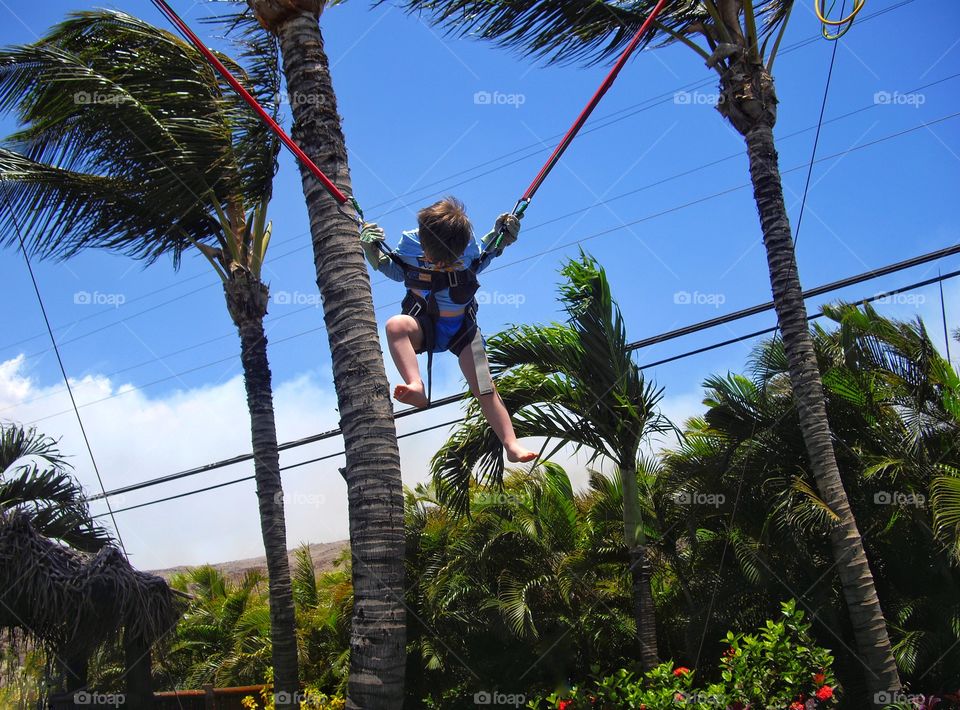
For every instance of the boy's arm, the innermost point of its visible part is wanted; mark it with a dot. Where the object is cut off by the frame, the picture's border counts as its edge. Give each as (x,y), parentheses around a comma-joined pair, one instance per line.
(509,224)
(370,237)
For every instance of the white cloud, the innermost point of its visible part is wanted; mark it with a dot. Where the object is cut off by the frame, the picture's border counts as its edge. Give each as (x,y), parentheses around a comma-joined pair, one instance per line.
(138,436)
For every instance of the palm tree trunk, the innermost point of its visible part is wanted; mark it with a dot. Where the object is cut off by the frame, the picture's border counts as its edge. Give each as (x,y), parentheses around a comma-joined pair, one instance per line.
(247,302)
(139,684)
(856,579)
(641,569)
(372,473)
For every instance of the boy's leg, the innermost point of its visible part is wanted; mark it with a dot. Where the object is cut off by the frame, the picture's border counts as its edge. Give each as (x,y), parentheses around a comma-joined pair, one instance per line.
(404,339)
(495,412)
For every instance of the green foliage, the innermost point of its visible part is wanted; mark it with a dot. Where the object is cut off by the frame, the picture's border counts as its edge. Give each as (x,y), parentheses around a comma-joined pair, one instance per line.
(130,141)
(778,667)
(224,637)
(37,480)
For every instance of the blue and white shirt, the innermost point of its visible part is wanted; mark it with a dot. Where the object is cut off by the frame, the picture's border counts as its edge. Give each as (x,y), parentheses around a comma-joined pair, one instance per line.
(410,252)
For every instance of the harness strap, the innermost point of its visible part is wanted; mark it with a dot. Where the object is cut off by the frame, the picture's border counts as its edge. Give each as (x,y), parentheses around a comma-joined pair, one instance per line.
(481,365)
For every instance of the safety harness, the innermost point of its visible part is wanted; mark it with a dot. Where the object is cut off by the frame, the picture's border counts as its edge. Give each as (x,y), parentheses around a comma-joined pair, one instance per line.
(462,284)
(420,303)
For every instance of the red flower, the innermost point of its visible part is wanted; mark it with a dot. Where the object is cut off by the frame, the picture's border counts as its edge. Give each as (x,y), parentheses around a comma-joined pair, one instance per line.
(796,705)
(818,678)
(564,704)
(680,670)
(825,693)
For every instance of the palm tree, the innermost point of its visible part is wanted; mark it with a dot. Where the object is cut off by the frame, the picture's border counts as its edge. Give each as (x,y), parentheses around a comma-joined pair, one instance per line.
(515,595)
(737,45)
(576,383)
(36,480)
(890,396)
(129,142)
(372,472)
(224,636)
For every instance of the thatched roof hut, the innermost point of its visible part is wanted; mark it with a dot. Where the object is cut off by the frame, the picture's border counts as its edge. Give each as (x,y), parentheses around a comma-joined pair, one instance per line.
(73,603)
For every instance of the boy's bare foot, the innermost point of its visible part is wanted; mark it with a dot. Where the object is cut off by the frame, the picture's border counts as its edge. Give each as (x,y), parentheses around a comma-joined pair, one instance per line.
(518,454)
(411,394)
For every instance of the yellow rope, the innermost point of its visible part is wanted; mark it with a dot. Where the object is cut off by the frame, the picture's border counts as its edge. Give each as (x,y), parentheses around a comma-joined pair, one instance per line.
(848,20)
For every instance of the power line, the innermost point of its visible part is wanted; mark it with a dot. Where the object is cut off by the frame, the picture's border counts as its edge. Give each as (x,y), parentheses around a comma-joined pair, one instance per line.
(63,371)
(512,263)
(628,112)
(654,340)
(816,137)
(714,346)
(282,468)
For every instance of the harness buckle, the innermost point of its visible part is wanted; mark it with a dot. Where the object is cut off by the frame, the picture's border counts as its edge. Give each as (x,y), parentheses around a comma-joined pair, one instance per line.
(453,278)
(415,311)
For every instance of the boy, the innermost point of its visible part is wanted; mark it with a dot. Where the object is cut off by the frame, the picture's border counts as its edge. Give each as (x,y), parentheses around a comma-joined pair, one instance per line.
(438,263)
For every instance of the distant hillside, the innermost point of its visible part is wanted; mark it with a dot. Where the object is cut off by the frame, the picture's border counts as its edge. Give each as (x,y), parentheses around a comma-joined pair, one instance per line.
(323,554)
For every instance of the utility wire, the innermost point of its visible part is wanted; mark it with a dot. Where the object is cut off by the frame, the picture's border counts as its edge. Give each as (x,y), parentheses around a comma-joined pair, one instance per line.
(670,335)
(63,371)
(559,247)
(748,336)
(630,112)
(816,137)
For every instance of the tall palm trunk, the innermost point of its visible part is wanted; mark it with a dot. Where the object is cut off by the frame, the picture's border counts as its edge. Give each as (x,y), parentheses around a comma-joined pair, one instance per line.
(749,101)
(641,569)
(372,473)
(247,301)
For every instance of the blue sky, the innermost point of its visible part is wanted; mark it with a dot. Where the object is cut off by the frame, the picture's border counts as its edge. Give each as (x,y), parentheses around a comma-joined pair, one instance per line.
(632,190)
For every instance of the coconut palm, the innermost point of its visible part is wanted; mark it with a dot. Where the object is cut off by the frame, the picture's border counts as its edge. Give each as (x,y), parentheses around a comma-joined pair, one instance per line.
(372,472)
(36,480)
(513,596)
(739,40)
(577,383)
(130,142)
(889,394)
(224,636)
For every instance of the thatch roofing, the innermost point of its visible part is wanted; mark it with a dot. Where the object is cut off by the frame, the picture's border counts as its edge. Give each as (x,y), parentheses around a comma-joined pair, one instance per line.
(58,596)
